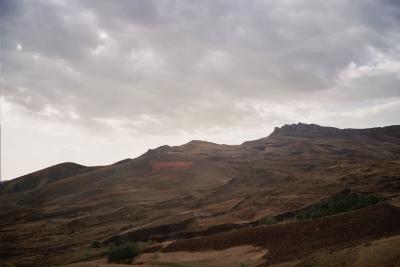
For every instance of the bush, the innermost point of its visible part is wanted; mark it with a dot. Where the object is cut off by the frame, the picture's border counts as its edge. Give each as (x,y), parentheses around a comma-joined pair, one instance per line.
(96,244)
(338,204)
(123,253)
(270,220)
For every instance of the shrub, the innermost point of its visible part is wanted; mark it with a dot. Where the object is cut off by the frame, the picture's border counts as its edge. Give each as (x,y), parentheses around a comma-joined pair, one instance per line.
(270,220)
(96,244)
(123,253)
(338,204)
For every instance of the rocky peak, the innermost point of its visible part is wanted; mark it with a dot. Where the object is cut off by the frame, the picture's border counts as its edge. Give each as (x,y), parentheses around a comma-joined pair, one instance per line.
(302,129)
(314,130)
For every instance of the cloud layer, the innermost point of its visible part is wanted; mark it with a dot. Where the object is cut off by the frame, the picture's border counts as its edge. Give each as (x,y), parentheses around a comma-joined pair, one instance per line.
(224,70)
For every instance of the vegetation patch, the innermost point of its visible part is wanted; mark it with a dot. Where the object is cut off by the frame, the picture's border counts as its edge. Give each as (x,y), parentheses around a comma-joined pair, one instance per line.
(338,204)
(125,253)
(96,244)
(270,220)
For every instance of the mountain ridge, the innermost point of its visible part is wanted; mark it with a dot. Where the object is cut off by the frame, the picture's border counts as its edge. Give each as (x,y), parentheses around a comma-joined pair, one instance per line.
(313,130)
(295,130)
(194,189)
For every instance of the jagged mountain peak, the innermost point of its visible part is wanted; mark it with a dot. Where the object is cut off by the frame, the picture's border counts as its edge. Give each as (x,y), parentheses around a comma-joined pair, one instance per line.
(315,130)
(304,129)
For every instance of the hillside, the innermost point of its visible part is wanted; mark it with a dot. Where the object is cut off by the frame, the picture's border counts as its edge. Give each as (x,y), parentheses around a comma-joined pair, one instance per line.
(204,191)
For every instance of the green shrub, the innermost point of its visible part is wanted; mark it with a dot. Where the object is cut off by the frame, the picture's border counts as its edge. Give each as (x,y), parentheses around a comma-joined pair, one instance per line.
(123,253)
(338,204)
(96,244)
(270,220)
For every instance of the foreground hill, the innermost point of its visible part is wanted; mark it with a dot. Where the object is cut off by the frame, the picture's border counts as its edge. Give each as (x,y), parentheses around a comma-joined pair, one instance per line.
(203,190)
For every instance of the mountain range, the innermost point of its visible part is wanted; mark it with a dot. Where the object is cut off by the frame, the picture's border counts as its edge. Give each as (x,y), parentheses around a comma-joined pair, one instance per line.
(203,201)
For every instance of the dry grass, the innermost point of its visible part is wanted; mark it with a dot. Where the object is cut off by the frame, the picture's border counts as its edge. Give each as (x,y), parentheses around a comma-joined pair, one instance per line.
(380,253)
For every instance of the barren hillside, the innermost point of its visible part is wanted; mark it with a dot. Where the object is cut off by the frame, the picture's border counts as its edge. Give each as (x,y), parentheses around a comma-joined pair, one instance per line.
(210,192)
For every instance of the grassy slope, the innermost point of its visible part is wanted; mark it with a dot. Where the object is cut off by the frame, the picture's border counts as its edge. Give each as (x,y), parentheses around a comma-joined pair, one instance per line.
(380,253)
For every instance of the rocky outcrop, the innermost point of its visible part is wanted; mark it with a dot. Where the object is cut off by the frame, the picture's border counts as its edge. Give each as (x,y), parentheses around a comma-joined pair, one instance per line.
(314,130)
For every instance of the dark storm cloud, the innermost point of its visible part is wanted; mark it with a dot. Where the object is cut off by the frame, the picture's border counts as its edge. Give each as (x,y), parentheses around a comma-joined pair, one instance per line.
(8,8)
(164,66)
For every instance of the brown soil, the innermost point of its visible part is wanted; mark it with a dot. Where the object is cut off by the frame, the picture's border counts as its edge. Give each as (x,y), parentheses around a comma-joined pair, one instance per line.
(380,253)
(296,240)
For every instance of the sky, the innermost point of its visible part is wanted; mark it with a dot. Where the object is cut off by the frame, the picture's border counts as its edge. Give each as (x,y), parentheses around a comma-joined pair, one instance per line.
(97,81)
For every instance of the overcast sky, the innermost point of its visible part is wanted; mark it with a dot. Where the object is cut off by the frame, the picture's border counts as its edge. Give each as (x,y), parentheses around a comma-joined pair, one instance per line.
(98,81)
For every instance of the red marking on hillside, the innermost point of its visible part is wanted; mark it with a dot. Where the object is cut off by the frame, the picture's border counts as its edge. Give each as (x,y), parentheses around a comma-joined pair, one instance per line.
(177,165)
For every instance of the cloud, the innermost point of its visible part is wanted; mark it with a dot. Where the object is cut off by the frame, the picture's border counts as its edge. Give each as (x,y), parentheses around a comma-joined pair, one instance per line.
(200,68)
